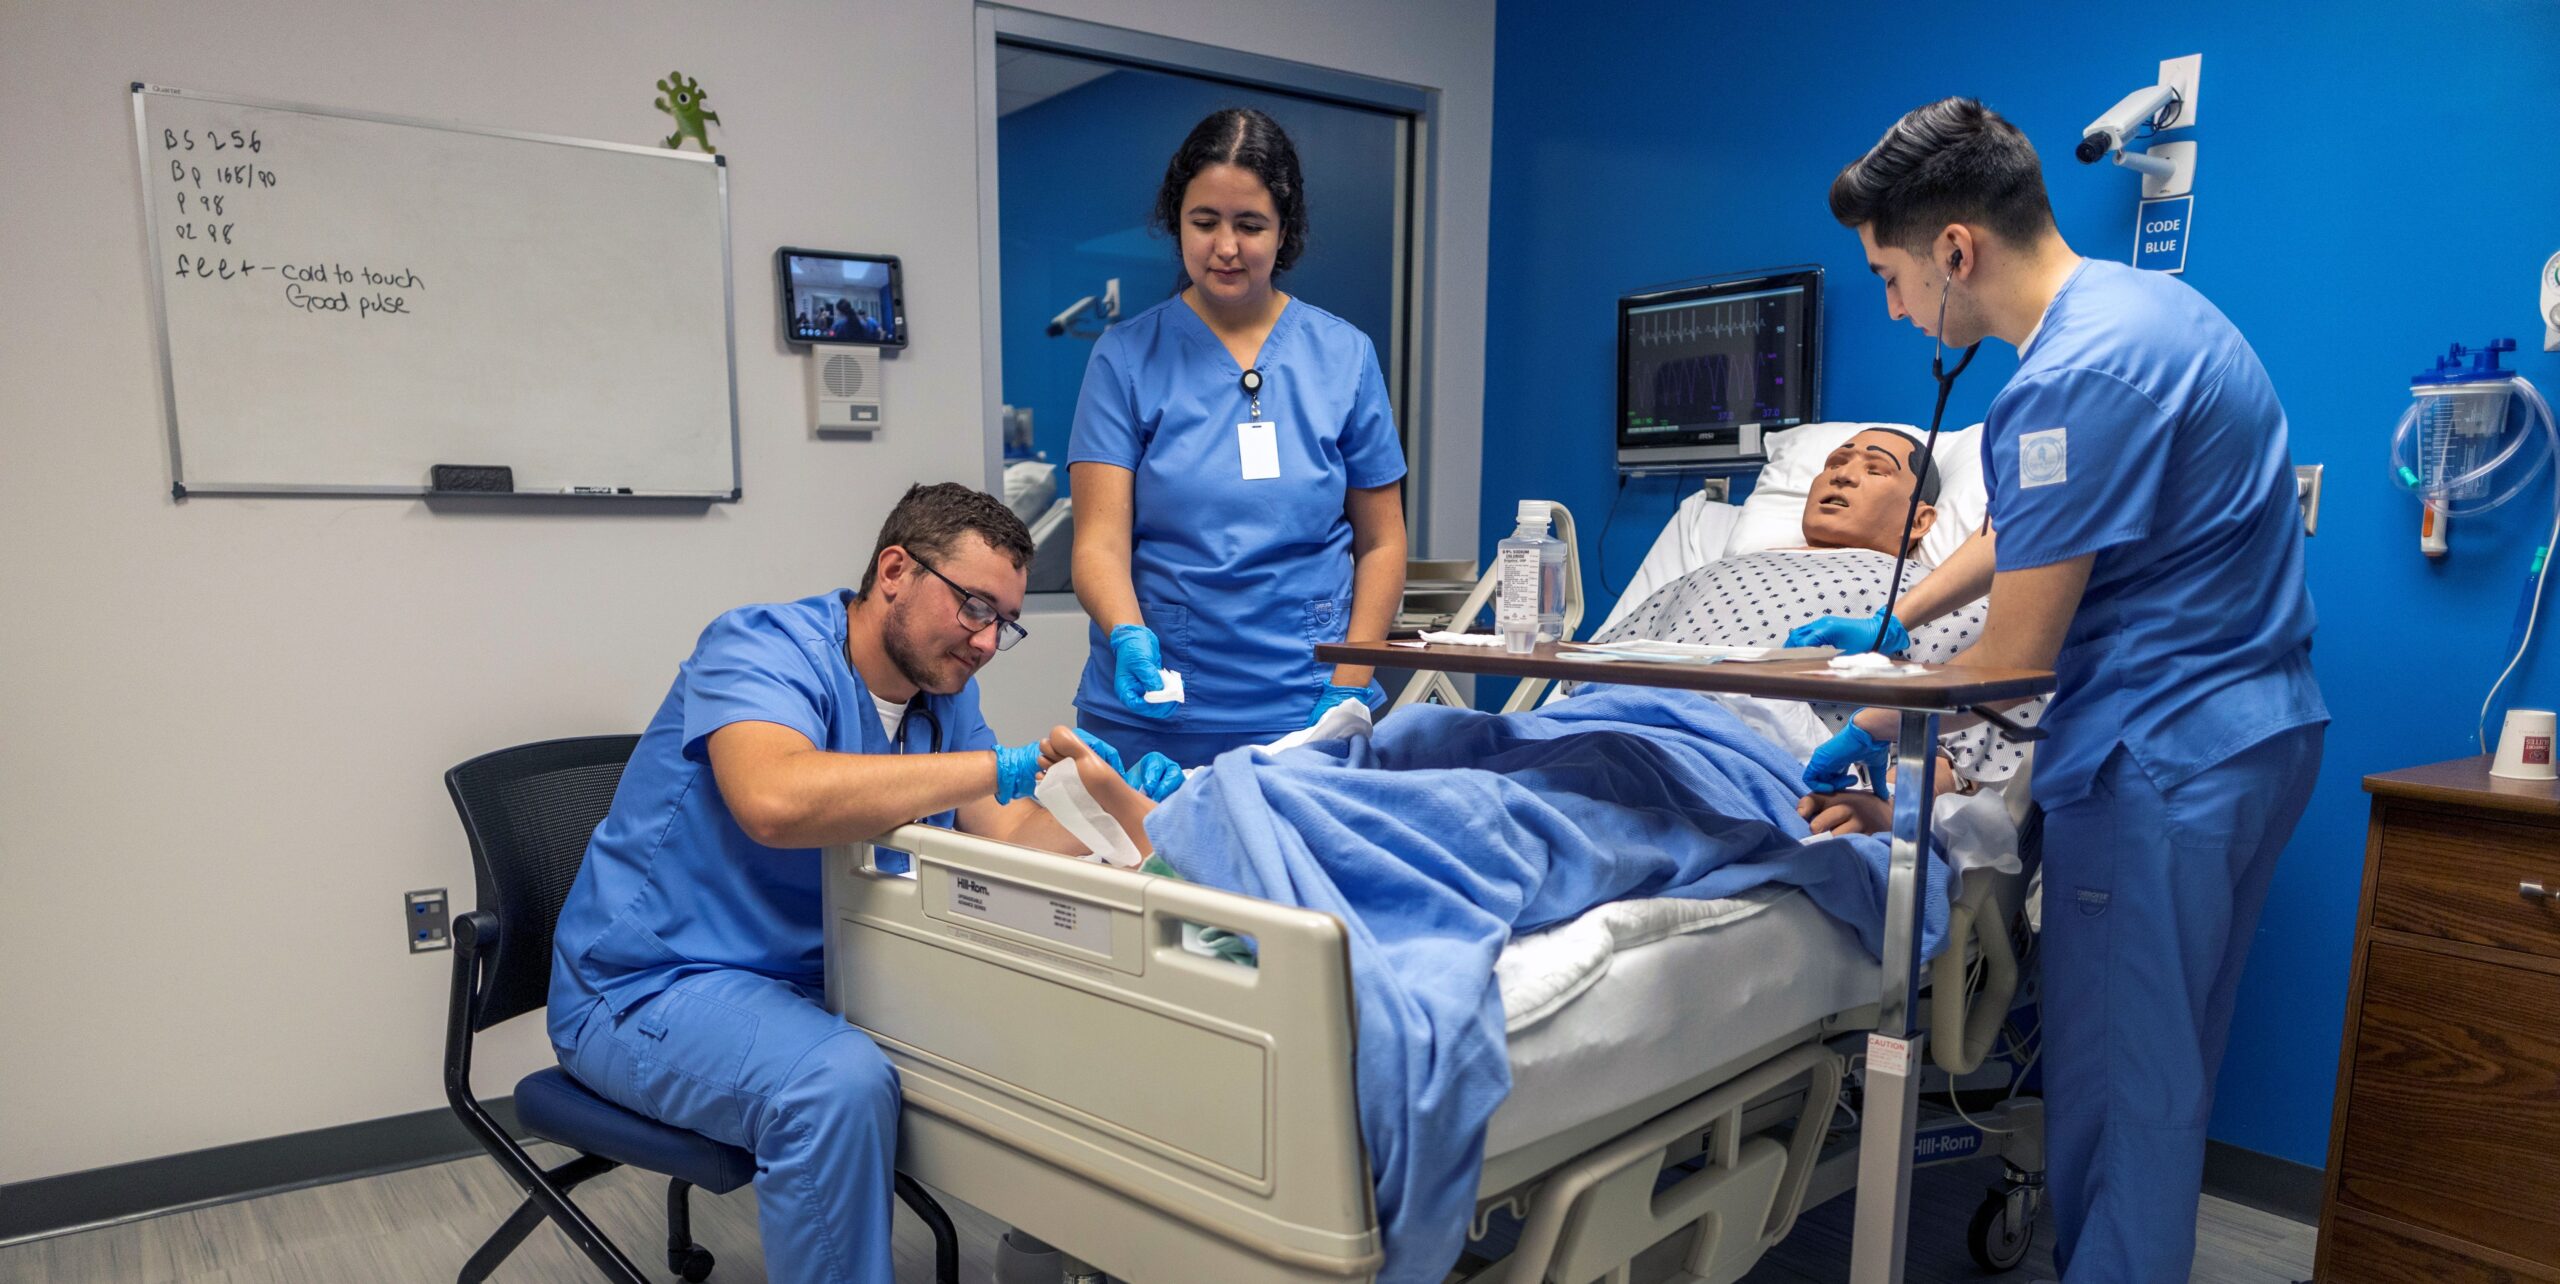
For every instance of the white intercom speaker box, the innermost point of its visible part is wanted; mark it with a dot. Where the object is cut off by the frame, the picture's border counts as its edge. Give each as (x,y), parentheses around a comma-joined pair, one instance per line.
(844,384)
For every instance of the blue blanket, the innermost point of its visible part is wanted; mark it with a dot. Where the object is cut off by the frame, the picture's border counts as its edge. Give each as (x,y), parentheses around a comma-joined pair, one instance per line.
(1449,831)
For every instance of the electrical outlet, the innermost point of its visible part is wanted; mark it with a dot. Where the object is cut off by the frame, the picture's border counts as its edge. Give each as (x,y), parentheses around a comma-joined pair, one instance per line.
(2183,75)
(2306,488)
(429,920)
(1717,489)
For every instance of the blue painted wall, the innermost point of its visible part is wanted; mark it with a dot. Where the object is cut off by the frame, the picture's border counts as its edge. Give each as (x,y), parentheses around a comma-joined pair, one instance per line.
(2375,181)
(1077,174)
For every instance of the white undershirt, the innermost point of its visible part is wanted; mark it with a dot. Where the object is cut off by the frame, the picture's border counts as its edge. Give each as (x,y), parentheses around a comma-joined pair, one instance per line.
(890,712)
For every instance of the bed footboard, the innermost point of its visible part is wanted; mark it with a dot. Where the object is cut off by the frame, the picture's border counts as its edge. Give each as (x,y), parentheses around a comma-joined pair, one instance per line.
(1071,1069)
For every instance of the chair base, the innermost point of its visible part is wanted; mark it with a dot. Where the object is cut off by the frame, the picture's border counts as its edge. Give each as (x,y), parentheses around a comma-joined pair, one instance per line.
(547,1196)
(554,1185)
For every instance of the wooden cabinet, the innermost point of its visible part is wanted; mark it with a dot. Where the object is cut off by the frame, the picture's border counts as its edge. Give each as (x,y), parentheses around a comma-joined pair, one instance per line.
(2444,1148)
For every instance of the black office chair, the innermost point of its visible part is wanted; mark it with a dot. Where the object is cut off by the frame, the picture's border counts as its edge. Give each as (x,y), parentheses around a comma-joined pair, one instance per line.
(529,812)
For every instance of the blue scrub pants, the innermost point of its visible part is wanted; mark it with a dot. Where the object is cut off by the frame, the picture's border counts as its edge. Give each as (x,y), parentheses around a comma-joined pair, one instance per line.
(1186,748)
(2150,899)
(762,1065)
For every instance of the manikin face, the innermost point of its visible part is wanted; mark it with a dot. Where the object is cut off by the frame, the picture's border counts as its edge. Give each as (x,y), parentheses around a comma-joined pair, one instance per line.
(1862,494)
(1230,236)
(1915,284)
(926,637)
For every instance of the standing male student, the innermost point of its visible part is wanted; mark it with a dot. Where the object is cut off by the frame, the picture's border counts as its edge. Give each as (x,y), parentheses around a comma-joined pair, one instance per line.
(2148,550)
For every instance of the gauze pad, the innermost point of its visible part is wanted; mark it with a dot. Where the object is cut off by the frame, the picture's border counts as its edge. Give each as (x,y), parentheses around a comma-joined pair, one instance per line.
(1062,792)
(1172,692)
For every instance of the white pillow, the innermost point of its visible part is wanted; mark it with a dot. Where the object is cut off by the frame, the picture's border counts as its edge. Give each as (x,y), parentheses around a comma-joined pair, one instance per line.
(1029,486)
(1773,516)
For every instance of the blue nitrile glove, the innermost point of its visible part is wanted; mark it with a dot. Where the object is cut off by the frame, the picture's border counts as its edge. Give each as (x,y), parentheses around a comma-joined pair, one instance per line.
(1101,747)
(1136,669)
(1853,636)
(1017,772)
(1827,771)
(1155,775)
(1333,695)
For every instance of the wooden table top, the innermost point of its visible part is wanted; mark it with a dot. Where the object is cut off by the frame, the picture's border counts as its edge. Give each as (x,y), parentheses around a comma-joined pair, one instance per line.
(2466,782)
(1945,688)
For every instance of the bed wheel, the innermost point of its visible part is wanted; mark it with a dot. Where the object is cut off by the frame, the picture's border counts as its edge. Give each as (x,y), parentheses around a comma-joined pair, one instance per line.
(2004,1227)
(693,1266)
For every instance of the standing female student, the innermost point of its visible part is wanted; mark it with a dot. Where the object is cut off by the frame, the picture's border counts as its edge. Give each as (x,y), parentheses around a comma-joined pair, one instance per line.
(1235,466)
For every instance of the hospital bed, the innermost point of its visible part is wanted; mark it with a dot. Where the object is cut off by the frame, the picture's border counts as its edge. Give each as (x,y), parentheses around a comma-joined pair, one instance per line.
(1072,1068)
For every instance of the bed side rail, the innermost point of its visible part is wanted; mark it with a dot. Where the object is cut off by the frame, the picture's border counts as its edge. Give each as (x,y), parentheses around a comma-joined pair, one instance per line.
(1047,1006)
(1964,1026)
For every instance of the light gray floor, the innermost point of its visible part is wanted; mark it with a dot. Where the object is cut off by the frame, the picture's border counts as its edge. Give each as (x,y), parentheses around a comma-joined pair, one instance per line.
(420,1225)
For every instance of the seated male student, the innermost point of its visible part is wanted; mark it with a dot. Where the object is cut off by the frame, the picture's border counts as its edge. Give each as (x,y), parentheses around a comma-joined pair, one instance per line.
(1853,518)
(686,976)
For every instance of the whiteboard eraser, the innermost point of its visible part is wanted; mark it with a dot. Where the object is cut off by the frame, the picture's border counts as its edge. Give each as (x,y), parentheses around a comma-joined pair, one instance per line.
(1172,692)
(474,478)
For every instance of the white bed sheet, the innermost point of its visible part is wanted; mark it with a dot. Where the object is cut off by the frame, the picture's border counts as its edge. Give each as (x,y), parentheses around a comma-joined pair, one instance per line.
(1664,1008)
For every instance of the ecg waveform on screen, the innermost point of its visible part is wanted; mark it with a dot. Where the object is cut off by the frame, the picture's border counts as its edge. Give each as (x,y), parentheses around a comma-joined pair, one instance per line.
(1712,364)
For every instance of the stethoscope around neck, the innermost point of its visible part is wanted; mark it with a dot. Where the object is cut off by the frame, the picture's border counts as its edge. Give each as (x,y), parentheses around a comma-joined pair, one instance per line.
(917,708)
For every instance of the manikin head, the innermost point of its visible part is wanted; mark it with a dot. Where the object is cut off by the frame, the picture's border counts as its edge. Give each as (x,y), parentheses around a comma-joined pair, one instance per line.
(1864,490)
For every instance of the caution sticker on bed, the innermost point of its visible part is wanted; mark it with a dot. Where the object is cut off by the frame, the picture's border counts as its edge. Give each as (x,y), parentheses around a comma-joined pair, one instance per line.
(1888,1055)
(1067,921)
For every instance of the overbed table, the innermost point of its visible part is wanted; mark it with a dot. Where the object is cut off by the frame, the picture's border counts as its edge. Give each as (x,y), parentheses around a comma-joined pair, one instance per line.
(1894,1050)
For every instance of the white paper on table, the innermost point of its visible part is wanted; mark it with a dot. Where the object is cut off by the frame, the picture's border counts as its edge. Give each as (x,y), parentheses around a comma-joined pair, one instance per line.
(1462,639)
(1695,652)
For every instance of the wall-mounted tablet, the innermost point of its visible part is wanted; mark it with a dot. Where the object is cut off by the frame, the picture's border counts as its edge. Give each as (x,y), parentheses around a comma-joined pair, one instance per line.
(833,297)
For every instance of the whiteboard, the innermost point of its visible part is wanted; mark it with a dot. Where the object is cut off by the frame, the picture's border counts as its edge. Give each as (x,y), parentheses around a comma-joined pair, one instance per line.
(347,300)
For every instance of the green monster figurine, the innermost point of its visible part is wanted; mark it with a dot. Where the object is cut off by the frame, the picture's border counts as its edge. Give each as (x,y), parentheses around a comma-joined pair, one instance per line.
(683,100)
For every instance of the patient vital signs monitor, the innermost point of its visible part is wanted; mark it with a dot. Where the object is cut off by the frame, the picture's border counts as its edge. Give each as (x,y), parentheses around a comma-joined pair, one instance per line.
(1703,370)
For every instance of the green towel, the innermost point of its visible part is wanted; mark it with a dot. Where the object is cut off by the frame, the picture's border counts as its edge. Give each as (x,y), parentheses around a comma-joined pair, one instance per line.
(1219,941)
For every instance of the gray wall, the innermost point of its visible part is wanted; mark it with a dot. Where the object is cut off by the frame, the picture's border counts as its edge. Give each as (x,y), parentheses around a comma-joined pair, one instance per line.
(226,719)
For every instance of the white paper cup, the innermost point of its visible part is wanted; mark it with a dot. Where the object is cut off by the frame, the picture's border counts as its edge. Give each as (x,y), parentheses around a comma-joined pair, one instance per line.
(2524,746)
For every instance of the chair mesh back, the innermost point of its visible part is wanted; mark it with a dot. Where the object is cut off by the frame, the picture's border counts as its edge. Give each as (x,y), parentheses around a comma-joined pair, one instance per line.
(529,812)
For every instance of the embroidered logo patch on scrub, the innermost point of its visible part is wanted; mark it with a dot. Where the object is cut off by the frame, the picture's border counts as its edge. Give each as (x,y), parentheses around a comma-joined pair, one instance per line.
(2044,458)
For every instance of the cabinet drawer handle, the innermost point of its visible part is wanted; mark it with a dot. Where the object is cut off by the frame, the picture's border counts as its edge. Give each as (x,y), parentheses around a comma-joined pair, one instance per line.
(2537,892)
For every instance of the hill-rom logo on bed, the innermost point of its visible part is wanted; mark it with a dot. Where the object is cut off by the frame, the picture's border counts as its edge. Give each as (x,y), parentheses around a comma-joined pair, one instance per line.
(1950,1141)
(1033,910)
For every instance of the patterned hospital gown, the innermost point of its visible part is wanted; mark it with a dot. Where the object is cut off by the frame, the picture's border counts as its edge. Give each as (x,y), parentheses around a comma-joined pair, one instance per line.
(1754,600)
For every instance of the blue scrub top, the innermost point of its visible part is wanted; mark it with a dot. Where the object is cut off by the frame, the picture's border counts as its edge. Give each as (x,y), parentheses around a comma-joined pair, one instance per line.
(1238,578)
(2141,427)
(671,886)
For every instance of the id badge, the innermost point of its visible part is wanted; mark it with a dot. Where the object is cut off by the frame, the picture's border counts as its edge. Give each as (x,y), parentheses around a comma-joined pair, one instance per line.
(1258,446)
